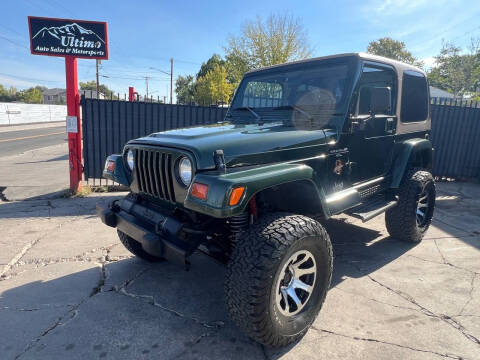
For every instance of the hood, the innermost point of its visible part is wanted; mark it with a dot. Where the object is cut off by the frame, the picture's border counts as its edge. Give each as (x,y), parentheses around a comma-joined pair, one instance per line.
(242,144)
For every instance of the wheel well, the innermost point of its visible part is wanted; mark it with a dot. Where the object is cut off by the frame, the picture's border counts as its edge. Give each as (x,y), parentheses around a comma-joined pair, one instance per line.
(422,159)
(299,197)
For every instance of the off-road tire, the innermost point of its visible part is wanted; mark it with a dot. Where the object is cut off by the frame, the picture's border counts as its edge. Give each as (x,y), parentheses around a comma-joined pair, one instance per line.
(401,220)
(135,247)
(253,272)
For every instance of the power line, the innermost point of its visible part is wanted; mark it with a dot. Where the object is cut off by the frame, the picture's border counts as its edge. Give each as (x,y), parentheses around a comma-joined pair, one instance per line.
(466,33)
(11,30)
(441,34)
(30,79)
(57,4)
(13,42)
(112,76)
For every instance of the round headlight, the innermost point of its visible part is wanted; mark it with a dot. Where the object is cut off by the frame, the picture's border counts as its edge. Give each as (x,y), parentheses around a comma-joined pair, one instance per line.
(185,171)
(130,159)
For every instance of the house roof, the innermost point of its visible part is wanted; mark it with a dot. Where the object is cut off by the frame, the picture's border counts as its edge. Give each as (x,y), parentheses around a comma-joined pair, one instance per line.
(54,91)
(436,92)
(365,56)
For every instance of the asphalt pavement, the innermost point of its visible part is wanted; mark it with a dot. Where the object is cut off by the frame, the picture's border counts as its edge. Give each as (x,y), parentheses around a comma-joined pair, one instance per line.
(33,161)
(70,290)
(17,142)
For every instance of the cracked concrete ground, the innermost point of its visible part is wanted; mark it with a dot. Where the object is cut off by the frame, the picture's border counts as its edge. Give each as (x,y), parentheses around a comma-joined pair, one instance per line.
(68,289)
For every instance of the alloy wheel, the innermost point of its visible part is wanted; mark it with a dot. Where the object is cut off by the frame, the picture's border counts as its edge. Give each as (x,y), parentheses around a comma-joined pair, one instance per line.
(295,283)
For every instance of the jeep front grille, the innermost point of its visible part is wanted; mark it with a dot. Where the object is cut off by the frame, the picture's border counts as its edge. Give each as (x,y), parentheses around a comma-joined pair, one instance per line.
(153,171)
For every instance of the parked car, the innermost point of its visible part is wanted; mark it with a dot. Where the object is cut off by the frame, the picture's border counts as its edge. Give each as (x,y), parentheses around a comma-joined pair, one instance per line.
(301,142)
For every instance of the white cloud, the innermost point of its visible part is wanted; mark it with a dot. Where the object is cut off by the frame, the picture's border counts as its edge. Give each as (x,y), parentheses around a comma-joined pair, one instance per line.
(428,62)
(417,23)
(399,7)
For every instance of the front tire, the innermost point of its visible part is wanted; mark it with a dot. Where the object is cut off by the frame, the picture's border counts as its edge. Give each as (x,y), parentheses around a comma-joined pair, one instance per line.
(411,218)
(277,278)
(135,248)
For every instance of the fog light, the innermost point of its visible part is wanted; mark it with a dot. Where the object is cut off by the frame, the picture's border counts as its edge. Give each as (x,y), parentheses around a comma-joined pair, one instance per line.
(200,191)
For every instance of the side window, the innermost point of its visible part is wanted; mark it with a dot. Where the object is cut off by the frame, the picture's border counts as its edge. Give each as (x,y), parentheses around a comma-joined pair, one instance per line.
(414,97)
(373,78)
(262,94)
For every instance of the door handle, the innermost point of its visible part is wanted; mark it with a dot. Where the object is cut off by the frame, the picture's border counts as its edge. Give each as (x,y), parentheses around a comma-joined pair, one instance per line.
(390,125)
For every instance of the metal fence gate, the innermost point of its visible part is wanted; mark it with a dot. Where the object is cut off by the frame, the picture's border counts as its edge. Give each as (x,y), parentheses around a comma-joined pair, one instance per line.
(108,124)
(455,137)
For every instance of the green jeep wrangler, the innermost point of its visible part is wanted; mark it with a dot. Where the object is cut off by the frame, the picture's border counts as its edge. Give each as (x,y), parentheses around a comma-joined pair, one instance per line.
(300,143)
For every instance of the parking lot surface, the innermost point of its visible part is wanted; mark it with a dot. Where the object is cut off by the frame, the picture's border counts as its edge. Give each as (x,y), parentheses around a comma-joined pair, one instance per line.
(68,289)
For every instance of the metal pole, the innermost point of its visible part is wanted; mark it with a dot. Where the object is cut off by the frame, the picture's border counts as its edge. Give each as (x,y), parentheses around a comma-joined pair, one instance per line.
(171,81)
(98,82)
(146,81)
(74,138)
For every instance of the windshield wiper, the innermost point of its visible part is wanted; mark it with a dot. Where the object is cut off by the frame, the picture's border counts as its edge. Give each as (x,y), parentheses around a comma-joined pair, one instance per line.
(296,108)
(258,117)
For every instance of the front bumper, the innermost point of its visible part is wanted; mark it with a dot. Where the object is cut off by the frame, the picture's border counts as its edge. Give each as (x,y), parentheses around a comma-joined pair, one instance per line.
(157,233)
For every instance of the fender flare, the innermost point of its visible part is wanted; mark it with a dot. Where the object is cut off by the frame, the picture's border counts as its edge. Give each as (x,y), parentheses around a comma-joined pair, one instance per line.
(119,174)
(254,180)
(408,154)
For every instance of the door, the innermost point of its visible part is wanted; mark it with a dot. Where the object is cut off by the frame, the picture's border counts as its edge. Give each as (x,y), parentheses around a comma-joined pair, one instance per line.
(372,138)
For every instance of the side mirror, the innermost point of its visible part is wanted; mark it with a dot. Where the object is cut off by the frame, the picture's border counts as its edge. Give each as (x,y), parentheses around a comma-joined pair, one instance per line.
(375,100)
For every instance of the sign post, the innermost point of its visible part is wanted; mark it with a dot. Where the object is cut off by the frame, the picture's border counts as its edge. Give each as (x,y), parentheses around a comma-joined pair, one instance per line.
(73,124)
(70,39)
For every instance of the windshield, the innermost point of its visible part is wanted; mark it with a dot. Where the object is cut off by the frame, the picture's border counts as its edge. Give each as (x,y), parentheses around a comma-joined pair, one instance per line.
(312,94)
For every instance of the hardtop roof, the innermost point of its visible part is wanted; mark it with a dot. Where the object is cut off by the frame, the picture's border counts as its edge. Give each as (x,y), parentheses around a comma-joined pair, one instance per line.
(396,64)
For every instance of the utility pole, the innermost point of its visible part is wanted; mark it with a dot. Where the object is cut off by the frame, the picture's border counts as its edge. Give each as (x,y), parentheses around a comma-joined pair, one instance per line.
(146,82)
(171,81)
(98,82)
(171,78)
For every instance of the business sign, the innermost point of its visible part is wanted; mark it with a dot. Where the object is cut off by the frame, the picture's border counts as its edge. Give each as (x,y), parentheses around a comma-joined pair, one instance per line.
(63,37)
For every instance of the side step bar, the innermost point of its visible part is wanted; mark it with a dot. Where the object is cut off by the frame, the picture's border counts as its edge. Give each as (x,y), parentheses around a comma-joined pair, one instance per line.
(371,208)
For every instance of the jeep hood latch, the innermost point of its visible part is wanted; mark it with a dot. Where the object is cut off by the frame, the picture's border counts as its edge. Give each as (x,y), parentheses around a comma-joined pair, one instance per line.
(219,160)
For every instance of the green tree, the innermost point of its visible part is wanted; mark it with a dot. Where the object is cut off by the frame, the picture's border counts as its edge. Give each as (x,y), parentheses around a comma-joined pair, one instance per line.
(202,94)
(457,72)
(213,87)
(275,40)
(13,93)
(236,67)
(92,85)
(392,49)
(41,88)
(185,89)
(4,95)
(214,60)
(30,96)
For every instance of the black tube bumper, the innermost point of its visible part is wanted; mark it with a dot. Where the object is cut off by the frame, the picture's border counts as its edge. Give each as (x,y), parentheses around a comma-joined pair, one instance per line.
(157,233)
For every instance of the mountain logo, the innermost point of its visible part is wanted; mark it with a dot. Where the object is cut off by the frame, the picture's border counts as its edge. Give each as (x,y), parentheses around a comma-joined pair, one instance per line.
(66,37)
(71,35)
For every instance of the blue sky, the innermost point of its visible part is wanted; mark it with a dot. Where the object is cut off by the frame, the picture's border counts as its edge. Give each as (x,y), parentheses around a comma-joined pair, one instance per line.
(145,34)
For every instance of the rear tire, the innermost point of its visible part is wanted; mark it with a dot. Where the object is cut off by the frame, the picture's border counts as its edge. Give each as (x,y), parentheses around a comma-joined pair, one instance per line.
(135,248)
(263,295)
(411,218)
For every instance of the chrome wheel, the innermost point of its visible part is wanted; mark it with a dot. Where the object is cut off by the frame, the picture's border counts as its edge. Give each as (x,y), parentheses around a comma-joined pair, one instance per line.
(422,207)
(295,283)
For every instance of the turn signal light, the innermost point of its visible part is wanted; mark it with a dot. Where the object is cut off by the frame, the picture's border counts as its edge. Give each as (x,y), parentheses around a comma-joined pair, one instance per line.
(236,195)
(200,191)
(110,166)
